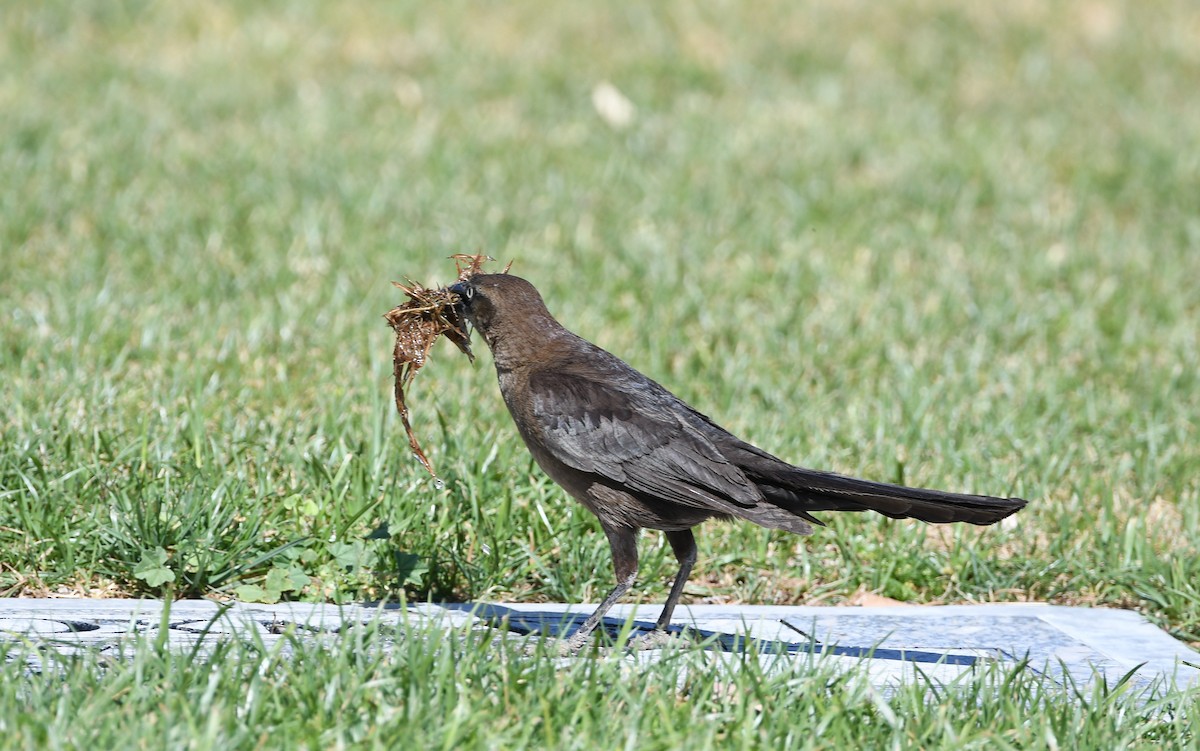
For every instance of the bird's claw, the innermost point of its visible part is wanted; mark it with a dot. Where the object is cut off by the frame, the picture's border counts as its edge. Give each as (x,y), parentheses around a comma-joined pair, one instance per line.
(656,639)
(572,646)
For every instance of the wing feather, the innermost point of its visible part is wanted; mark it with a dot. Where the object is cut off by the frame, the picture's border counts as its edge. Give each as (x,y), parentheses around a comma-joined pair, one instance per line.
(634,432)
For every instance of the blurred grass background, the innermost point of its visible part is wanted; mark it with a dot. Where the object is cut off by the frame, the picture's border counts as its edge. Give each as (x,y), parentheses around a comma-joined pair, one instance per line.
(944,244)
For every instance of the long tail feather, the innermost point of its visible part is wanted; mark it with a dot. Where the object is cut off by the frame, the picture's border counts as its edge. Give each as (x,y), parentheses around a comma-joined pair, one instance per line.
(800,491)
(805,490)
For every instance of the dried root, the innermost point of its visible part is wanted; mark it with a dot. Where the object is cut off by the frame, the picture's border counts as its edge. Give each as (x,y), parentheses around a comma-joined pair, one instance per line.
(428,314)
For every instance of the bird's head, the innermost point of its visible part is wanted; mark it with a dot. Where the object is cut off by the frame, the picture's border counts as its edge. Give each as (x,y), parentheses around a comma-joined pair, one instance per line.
(504,308)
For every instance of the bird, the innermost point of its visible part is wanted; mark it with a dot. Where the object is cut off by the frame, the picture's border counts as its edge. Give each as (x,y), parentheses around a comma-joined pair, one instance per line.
(638,457)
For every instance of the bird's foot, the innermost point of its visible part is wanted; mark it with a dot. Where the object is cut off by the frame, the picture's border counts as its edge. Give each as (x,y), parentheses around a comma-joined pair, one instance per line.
(577,643)
(573,645)
(656,639)
(569,647)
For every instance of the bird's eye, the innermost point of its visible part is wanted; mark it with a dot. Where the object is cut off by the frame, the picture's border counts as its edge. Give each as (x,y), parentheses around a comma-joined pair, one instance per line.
(470,291)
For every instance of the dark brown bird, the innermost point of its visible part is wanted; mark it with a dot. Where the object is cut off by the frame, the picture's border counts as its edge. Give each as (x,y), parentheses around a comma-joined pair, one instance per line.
(638,457)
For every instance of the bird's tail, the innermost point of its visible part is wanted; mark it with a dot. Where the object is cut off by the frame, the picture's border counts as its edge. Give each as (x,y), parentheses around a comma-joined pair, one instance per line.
(809,490)
(801,491)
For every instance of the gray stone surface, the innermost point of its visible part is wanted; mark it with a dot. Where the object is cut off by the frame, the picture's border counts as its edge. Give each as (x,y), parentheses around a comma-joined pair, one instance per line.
(940,642)
(889,644)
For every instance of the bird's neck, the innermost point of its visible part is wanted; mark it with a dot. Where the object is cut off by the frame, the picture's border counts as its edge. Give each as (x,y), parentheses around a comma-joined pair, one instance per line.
(530,341)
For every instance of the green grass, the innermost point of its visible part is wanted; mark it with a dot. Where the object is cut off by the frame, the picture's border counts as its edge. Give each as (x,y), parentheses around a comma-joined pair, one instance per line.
(950,245)
(431,689)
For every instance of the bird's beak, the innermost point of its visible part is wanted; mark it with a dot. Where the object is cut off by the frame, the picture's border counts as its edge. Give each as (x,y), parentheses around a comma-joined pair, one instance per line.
(461,304)
(461,336)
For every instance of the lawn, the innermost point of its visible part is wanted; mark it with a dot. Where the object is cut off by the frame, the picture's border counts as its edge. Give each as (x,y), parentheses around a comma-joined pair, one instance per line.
(952,245)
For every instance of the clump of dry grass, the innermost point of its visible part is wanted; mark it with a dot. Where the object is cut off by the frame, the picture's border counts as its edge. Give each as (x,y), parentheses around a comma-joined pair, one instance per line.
(428,314)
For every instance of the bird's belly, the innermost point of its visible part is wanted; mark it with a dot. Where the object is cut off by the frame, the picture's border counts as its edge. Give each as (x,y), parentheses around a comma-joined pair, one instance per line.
(618,508)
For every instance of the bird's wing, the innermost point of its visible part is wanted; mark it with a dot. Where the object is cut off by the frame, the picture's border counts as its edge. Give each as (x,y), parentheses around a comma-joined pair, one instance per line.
(634,432)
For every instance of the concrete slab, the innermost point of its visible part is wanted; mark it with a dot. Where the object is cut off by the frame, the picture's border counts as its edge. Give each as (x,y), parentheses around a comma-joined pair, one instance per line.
(1082,644)
(890,644)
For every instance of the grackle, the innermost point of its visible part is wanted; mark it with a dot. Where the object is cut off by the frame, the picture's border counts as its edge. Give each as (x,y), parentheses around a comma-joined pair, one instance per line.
(638,457)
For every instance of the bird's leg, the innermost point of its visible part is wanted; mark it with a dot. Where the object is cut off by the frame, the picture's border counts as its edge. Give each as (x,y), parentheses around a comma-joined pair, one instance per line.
(622,541)
(683,544)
